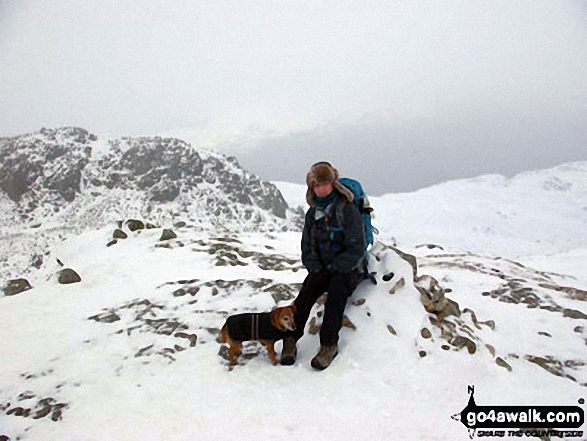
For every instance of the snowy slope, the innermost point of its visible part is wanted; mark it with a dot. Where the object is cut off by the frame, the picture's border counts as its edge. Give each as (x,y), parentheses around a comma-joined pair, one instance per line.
(130,352)
(57,183)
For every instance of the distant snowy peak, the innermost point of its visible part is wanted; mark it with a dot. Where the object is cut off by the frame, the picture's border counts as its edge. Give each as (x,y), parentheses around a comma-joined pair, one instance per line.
(46,171)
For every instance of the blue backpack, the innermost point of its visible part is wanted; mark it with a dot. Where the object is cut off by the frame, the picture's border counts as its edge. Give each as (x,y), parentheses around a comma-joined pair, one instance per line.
(362,203)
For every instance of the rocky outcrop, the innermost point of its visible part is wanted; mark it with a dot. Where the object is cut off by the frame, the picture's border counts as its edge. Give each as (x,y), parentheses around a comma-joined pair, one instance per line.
(55,166)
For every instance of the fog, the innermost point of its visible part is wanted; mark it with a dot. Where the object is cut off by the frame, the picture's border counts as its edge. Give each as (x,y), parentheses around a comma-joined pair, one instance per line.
(400,94)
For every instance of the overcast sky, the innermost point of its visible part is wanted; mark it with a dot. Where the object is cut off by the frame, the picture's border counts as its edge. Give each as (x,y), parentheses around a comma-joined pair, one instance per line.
(401,94)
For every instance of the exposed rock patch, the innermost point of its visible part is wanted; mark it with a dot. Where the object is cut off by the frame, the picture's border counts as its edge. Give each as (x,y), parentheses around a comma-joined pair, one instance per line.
(16,286)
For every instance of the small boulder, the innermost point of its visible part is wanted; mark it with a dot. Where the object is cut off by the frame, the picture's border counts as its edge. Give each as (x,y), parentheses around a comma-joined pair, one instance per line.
(119,234)
(16,286)
(112,242)
(501,362)
(68,276)
(134,225)
(167,235)
(425,332)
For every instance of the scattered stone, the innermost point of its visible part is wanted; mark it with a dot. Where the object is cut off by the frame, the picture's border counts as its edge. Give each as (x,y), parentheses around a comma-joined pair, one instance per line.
(546,334)
(193,338)
(578,329)
(346,322)
(59,262)
(119,234)
(491,349)
(398,285)
(359,302)
(390,329)
(574,314)
(180,224)
(106,317)
(112,242)
(144,350)
(68,276)
(460,342)
(168,235)
(425,332)
(489,323)
(501,362)
(445,347)
(16,286)
(134,225)
(387,277)
(408,258)
(422,354)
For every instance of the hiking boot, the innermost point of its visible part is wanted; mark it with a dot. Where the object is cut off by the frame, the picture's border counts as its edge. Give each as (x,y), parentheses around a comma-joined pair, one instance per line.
(324,357)
(289,351)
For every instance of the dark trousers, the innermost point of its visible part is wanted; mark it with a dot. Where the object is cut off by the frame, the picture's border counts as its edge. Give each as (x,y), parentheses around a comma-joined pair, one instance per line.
(340,287)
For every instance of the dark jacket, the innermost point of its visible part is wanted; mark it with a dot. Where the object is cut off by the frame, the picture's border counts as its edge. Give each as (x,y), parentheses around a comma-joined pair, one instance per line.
(335,243)
(252,326)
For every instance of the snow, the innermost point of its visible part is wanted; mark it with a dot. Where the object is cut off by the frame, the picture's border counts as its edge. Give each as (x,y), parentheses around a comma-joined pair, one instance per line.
(126,381)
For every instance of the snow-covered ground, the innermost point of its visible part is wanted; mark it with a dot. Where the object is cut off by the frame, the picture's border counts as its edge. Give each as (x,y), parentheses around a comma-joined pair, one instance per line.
(130,352)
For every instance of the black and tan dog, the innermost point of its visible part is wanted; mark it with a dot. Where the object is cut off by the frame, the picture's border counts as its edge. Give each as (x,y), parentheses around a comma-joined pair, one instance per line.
(264,327)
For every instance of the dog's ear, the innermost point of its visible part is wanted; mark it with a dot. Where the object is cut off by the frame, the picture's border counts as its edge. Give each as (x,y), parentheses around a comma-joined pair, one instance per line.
(275,318)
(294,308)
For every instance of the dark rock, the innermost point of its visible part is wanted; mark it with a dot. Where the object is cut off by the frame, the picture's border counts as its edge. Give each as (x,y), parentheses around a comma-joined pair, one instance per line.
(574,314)
(134,225)
(119,234)
(391,329)
(179,224)
(193,338)
(425,332)
(501,362)
(168,235)
(387,277)
(143,351)
(112,242)
(107,317)
(460,342)
(16,286)
(67,276)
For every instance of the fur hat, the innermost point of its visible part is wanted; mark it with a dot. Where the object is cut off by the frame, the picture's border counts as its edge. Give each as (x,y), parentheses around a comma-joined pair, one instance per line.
(322,172)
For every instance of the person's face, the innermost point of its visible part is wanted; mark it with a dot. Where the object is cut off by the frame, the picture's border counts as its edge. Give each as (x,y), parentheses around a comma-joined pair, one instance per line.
(323,189)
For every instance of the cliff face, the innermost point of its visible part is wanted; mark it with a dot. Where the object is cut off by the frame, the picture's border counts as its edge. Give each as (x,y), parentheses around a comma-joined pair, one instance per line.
(54,167)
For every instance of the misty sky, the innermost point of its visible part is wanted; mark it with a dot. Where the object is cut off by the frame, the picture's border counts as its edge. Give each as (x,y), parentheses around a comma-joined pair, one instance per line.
(401,94)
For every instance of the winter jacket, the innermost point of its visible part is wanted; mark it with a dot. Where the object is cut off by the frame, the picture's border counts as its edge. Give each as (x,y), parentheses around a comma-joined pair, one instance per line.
(252,326)
(334,242)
